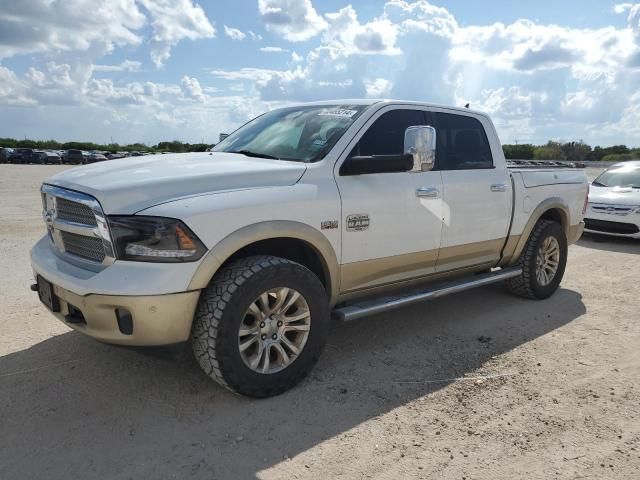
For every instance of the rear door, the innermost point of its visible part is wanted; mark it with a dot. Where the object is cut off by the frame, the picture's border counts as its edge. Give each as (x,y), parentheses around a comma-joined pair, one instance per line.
(477,193)
(389,234)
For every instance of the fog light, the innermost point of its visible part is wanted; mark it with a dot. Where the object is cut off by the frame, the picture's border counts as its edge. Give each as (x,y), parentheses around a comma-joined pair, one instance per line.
(125,321)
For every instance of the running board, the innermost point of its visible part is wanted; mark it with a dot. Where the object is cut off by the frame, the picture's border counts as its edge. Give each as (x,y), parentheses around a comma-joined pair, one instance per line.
(379,305)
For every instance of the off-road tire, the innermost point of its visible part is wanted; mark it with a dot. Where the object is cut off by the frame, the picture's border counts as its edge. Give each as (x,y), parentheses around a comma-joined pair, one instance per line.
(220,311)
(526,284)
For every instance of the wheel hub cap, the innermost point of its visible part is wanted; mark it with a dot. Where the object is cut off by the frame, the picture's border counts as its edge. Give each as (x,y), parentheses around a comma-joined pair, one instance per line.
(274,330)
(547,261)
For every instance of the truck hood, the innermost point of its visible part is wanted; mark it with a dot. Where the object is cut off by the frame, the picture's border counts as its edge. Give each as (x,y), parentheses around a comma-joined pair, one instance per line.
(128,185)
(614,195)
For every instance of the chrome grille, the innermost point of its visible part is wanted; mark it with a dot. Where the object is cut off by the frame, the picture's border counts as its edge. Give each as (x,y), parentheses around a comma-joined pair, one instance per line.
(90,248)
(74,212)
(77,226)
(612,209)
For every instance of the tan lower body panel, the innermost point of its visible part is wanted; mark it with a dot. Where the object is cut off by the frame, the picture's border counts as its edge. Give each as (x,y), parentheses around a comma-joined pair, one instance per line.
(369,273)
(157,320)
(379,272)
(461,256)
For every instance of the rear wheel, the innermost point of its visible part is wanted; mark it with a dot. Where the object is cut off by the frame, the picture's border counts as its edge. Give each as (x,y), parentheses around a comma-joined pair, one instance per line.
(543,262)
(260,325)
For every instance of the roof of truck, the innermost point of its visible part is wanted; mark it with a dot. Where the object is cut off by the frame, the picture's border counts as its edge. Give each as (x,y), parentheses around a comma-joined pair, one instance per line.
(373,101)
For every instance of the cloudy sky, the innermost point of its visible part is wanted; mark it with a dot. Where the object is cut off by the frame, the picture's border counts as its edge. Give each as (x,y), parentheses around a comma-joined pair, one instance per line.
(151,70)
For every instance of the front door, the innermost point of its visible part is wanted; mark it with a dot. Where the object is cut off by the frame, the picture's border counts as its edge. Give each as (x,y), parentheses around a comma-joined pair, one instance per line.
(389,233)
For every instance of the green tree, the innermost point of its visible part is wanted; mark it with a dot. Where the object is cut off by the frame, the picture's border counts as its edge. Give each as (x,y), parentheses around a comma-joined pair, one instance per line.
(522,151)
(550,151)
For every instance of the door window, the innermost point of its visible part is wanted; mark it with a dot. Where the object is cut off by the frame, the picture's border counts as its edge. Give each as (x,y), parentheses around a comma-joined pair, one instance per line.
(461,143)
(386,135)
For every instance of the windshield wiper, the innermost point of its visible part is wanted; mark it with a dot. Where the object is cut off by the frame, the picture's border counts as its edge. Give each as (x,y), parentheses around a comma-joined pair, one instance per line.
(249,153)
(598,184)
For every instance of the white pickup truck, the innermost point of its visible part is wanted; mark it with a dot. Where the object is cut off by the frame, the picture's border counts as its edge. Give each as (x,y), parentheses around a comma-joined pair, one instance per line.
(348,208)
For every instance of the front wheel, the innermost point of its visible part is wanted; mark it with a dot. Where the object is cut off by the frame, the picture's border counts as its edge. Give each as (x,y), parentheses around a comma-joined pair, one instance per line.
(260,325)
(543,262)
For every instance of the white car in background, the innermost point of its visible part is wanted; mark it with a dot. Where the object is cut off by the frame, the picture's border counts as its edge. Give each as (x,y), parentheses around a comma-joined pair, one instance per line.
(614,201)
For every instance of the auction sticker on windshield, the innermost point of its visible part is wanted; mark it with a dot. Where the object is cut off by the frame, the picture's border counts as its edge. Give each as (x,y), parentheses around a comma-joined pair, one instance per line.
(339,113)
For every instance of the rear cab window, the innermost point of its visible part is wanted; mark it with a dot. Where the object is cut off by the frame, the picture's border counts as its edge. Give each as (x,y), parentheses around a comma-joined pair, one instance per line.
(461,143)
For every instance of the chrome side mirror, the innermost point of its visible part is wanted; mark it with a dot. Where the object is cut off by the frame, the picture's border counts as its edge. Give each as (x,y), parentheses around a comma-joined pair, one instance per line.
(420,143)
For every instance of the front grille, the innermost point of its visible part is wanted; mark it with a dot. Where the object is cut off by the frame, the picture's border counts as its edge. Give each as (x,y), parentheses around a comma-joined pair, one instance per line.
(612,209)
(74,212)
(610,227)
(90,248)
(72,220)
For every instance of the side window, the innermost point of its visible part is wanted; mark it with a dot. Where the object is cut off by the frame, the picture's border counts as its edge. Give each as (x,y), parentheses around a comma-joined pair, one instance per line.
(386,135)
(461,143)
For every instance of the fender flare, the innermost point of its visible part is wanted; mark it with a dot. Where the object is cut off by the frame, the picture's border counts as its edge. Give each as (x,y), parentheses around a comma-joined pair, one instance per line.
(553,203)
(249,234)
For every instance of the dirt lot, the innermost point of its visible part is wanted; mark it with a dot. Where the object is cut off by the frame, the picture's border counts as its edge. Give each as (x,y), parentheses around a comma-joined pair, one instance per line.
(483,385)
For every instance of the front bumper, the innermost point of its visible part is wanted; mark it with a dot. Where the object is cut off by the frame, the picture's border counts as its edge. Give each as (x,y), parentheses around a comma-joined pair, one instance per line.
(159,316)
(156,320)
(574,233)
(614,225)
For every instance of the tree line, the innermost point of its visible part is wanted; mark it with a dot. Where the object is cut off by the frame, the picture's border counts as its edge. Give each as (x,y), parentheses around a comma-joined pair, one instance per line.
(174,146)
(571,151)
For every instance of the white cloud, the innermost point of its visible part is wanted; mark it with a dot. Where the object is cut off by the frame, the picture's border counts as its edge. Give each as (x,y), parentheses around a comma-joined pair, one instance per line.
(378,87)
(346,33)
(634,18)
(294,20)
(274,50)
(173,21)
(125,66)
(58,26)
(192,89)
(622,7)
(252,74)
(234,33)
(98,26)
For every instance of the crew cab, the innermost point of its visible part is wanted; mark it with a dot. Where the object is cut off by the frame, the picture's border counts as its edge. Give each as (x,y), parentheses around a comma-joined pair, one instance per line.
(345,209)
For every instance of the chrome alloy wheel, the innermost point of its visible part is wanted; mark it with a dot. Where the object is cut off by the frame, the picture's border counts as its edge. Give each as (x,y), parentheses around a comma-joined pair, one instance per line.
(547,261)
(274,330)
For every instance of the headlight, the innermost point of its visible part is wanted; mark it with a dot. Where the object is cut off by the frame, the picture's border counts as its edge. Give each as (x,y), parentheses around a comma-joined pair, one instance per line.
(154,239)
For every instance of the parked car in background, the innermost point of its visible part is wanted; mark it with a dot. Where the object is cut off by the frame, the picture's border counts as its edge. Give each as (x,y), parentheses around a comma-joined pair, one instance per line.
(96,157)
(5,153)
(49,158)
(21,155)
(75,156)
(614,201)
(38,157)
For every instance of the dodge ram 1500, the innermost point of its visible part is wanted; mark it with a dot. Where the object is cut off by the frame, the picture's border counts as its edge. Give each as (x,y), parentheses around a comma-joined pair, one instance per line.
(332,209)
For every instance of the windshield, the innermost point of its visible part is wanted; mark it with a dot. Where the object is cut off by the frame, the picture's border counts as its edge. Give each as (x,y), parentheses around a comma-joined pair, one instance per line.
(623,176)
(304,134)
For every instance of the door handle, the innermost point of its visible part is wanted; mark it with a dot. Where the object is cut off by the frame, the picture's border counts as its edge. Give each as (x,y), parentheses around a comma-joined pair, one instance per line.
(499,187)
(427,192)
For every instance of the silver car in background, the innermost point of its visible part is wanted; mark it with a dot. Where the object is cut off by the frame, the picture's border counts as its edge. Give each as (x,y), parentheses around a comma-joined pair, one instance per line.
(614,201)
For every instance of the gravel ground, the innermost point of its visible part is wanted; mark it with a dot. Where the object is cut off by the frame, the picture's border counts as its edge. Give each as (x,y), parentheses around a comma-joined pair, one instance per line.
(482,385)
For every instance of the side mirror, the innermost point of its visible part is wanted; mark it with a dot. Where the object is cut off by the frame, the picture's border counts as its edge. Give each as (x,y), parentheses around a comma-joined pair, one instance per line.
(420,144)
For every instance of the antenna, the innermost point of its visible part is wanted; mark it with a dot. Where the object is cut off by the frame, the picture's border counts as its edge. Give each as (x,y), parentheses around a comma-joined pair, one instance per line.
(466,106)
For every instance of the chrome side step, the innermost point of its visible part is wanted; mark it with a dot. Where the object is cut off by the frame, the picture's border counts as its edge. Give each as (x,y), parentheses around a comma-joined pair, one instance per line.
(379,305)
